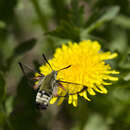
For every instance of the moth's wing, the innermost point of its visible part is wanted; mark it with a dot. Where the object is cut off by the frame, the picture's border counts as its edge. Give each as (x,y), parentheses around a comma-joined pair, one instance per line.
(60,81)
(57,89)
(29,74)
(67,94)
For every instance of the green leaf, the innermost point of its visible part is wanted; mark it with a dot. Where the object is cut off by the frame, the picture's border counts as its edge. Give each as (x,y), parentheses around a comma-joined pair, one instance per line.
(24,47)
(2,25)
(77,13)
(123,21)
(59,9)
(125,61)
(96,122)
(66,31)
(109,14)
(9,105)
(2,88)
(118,40)
(2,116)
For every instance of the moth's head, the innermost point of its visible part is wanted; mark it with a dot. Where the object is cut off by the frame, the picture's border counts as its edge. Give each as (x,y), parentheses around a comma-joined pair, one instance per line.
(54,73)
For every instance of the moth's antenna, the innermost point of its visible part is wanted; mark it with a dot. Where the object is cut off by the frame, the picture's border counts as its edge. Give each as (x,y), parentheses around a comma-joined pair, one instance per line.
(65,67)
(46,60)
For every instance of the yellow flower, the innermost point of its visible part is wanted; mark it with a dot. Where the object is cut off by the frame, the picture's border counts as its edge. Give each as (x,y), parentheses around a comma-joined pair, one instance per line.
(88,68)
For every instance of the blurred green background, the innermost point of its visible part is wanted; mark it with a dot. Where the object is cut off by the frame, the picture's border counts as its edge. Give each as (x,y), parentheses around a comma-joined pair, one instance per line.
(30,27)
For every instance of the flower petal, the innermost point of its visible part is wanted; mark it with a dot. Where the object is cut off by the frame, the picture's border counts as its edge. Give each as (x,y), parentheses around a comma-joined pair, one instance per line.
(53,100)
(75,97)
(85,96)
(104,90)
(70,99)
(91,92)
(60,101)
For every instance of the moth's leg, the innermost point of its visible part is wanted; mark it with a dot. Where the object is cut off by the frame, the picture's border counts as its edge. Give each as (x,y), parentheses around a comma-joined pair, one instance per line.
(39,77)
(55,89)
(61,86)
(36,86)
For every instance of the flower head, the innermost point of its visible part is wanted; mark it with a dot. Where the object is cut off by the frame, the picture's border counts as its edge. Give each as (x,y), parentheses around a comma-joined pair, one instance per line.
(88,68)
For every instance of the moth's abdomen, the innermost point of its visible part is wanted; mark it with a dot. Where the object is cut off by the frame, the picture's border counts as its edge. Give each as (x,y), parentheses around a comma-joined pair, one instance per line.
(42,99)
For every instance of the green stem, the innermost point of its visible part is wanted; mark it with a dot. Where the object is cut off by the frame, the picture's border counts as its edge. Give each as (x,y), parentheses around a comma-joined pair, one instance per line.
(41,15)
(43,22)
(6,118)
(9,124)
